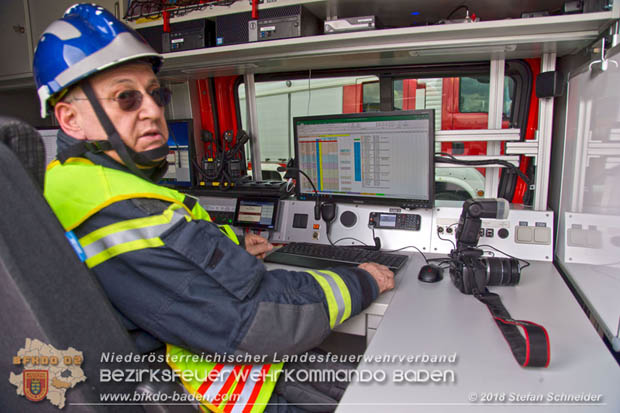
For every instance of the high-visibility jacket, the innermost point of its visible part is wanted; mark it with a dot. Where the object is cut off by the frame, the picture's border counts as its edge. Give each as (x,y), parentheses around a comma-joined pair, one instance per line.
(93,187)
(219,387)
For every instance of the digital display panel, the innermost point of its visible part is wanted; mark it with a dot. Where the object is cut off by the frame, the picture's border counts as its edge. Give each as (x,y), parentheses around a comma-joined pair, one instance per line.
(259,213)
(387,220)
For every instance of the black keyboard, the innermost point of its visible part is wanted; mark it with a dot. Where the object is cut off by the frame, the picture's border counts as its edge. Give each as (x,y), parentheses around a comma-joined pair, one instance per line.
(319,256)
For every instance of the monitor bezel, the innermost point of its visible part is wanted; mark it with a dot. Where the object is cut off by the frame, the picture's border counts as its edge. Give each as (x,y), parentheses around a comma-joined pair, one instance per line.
(398,202)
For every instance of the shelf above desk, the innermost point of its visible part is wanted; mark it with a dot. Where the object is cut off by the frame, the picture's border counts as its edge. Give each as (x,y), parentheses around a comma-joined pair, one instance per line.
(462,42)
(511,38)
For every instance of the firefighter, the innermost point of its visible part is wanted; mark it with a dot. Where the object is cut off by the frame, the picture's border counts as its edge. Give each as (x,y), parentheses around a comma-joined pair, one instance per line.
(173,276)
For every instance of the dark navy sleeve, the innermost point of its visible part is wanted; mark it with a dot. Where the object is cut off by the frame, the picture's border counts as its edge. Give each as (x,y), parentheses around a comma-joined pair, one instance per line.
(202,292)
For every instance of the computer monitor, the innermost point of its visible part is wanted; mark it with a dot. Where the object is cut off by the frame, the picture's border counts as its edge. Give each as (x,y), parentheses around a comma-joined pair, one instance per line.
(181,143)
(376,158)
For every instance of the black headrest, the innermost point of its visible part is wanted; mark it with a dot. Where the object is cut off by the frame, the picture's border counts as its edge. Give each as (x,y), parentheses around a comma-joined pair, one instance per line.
(26,143)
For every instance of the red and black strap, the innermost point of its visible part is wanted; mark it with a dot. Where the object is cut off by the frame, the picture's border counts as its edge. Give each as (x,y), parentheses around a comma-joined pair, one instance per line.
(529,351)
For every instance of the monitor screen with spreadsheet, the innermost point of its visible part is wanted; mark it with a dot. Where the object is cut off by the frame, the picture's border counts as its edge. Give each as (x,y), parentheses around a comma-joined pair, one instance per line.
(374,157)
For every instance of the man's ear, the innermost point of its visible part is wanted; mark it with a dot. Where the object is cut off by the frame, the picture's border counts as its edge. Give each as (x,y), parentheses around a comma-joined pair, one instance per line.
(68,119)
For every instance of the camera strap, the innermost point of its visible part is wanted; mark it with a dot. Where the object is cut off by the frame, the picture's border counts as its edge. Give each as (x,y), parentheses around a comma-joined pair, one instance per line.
(529,351)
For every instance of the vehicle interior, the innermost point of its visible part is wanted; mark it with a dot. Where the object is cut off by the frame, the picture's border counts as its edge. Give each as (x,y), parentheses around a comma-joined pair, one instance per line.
(300,121)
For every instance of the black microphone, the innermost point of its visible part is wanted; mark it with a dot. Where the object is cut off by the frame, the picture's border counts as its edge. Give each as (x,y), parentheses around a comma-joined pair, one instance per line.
(377,240)
(288,175)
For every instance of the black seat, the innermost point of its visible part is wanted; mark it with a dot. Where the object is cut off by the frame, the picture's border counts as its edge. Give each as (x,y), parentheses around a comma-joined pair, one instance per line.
(25,142)
(46,293)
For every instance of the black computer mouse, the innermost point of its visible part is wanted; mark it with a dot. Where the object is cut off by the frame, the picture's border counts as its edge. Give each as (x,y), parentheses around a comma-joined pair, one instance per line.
(430,273)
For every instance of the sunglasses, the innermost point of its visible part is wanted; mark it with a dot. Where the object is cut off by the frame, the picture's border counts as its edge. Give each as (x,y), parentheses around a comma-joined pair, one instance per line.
(131,100)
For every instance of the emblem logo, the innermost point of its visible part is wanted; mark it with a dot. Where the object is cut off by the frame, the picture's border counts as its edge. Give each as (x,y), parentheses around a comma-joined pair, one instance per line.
(35,384)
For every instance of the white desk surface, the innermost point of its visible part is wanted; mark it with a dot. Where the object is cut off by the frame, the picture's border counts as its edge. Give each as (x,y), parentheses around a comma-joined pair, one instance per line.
(436,319)
(599,286)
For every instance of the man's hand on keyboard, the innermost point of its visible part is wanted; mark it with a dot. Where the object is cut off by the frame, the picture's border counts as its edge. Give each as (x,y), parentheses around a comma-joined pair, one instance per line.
(382,275)
(257,245)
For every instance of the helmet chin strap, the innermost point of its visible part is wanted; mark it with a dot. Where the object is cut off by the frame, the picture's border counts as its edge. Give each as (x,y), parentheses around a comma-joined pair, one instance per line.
(150,158)
(131,158)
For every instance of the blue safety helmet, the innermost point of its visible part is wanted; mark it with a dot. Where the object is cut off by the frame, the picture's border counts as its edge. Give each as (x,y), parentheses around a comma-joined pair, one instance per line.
(85,41)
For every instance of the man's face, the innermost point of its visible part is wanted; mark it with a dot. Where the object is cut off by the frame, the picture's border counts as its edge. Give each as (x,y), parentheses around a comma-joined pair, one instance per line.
(142,129)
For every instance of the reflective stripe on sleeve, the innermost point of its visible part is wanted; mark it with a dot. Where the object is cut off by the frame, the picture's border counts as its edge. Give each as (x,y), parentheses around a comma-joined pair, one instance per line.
(236,388)
(131,235)
(221,398)
(346,296)
(244,396)
(221,385)
(254,400)
(216,383)
(234,395)
(209,379)
(336,294)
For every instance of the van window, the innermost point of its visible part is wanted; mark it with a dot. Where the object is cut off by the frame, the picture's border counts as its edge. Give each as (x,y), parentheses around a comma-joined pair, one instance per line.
(278,102)
(474,95)
(371,97)
(460,102)
(411,94)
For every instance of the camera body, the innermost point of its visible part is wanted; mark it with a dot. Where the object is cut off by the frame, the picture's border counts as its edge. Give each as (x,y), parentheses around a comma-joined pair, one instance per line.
(470,271)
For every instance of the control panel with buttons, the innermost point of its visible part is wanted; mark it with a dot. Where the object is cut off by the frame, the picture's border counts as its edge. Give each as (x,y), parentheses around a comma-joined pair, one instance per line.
(524,234)
(430,230)
(222,217)
(221,210)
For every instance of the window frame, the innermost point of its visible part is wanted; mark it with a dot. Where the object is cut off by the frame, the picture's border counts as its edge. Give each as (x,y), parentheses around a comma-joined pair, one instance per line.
(518,70)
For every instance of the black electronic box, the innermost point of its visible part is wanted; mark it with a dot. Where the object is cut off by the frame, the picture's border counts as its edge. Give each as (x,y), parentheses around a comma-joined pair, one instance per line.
(297,25)
(235,28)
(187,35)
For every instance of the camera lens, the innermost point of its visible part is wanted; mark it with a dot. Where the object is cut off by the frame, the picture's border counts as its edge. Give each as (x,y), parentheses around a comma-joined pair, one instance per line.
(502,271)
